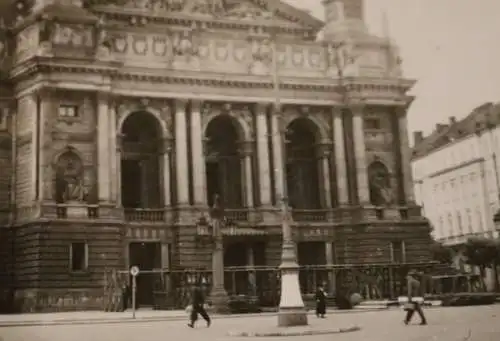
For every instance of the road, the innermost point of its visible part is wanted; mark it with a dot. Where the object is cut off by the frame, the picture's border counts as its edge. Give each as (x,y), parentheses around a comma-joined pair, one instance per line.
(445,324)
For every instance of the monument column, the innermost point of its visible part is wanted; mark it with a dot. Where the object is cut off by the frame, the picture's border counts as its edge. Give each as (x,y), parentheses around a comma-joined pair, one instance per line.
(103,156)
(405,154)
(360,154)
(181,153)
(340,158)
(199,174)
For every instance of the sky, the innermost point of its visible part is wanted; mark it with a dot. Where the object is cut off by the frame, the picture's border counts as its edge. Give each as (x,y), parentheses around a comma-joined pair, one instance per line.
(451,47)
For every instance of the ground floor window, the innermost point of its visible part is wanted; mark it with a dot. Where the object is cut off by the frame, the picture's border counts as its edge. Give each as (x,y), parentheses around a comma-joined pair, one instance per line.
(78,256)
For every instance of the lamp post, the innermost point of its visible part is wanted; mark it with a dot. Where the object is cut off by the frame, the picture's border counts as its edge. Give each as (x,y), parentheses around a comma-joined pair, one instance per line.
(292,311)
(218,295)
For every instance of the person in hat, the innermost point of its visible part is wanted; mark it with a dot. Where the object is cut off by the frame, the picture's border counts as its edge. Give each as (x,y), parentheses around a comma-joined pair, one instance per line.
(413,286)
(198,302)
(320,301)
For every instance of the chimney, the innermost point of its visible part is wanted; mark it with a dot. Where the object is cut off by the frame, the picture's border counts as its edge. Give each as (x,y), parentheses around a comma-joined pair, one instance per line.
(440,127)
(453,120)
(418,136)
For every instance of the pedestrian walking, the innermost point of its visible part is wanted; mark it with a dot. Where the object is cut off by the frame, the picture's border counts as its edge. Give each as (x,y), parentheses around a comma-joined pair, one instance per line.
(320,302)
(413,305)
(197,303)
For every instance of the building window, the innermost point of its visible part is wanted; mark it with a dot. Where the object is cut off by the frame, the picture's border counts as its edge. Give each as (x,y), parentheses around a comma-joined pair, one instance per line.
(372,123)
(68,111)
(78,254)
(450,225)
(398,251)
(469,221)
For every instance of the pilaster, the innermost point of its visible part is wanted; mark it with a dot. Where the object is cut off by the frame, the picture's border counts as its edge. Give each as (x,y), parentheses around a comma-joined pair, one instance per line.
(263,160)
(323,154)
(181,153)
(405,154)
(340,157)
(104,159)
(198,162)
(360,153)
(279,169)
(246,151)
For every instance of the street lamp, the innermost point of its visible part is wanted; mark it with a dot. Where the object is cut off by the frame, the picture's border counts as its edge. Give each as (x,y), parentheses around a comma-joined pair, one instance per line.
(292,310)
(218,295)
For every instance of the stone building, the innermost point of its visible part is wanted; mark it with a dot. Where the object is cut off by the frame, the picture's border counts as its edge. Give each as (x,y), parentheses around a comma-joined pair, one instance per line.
(455,171)
(122,119)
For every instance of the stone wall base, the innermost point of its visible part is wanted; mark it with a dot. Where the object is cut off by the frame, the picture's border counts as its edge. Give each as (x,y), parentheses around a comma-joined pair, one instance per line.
(57,300)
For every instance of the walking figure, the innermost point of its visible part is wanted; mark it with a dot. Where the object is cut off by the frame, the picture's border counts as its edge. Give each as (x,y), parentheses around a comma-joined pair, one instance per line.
(413,306)
(320,302)
(198,301)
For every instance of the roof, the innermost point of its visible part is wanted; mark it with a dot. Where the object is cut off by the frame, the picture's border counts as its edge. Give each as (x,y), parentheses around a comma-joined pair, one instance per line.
(481,118)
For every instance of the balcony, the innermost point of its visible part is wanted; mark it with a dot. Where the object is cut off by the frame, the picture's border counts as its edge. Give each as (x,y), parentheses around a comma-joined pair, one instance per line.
(148,215)
(311,216)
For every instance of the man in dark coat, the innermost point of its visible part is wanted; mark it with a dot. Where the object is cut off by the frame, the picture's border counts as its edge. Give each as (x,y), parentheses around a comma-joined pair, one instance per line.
(198,301)
(320,302)
(413,290)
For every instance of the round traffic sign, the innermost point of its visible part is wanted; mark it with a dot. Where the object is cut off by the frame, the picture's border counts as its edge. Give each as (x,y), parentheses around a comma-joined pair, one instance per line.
(134,271)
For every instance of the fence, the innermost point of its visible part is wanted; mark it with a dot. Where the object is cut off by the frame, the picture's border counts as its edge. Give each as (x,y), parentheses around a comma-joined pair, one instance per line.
(171,289)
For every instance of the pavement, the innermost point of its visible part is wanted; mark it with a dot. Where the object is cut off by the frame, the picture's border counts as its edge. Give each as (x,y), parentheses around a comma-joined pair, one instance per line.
(141,315)
(478,323)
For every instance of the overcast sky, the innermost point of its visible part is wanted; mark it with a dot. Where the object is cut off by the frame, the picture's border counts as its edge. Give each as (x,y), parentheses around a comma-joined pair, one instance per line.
(451,47)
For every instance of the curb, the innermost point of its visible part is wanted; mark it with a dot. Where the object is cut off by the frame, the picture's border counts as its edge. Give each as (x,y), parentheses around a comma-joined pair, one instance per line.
(286,332)
(129,319)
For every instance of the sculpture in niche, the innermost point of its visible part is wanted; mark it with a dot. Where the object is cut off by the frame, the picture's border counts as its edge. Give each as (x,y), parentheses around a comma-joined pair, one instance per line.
(46,37)
(69,178)
(381,193)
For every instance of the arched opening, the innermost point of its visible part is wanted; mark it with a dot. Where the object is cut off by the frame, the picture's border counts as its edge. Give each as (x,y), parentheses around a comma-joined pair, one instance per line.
(141,161)
(302,168)
(223,162)
(69,183)
(381,193)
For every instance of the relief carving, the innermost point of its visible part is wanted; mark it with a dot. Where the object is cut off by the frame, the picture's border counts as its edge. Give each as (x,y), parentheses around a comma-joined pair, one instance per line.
(262,55)
(381,192)
(185,44)
(103,40)
(69,181)
(46,35)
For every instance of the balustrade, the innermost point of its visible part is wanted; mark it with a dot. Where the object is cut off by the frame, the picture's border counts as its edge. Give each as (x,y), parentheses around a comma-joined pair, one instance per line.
(155,215)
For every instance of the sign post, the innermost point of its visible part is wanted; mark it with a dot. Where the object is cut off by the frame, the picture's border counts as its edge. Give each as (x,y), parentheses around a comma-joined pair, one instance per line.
(134,271)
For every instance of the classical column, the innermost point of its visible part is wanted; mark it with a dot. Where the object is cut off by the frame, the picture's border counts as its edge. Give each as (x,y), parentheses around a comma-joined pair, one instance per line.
(114,155)
(263,156)
(277,157)
(360,154)
(181,153)
(330,260)
(405,155)
(199,174)
(323,155)
(103,157)
(246,153)
(167,149)
(340,159)
(118,163)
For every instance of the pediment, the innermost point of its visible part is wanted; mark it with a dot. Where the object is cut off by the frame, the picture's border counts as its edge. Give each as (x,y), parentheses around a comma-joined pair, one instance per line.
(233,10)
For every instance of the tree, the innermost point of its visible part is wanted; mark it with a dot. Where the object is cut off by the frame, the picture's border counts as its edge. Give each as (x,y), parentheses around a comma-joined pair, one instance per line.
(441,253)
(481,252)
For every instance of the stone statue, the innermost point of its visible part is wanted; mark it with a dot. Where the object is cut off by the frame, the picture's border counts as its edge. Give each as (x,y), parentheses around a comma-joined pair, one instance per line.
(381,193)
(69,178)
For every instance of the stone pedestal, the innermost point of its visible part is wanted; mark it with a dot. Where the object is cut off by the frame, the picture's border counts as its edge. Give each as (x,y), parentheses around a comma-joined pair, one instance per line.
(220,301)
(76,210)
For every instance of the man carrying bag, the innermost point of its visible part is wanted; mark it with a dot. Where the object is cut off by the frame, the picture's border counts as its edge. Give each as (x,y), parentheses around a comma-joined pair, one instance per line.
(413,306)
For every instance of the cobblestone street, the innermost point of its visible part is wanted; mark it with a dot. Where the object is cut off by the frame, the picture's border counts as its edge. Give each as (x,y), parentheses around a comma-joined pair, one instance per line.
(445,324)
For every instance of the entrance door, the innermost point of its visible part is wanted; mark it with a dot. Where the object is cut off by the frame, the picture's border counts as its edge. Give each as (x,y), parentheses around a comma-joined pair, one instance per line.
(146,256)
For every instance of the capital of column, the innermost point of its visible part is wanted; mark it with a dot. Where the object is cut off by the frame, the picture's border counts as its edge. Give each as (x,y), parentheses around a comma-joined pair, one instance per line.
(197,105)
(167,145)
(246,148)
(357,107)
(261,108)
(323,150)
(180,105)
